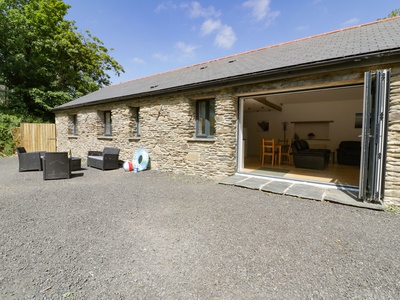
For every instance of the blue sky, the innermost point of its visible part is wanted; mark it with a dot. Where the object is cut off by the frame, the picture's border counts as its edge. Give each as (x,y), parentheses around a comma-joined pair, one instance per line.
(153,36)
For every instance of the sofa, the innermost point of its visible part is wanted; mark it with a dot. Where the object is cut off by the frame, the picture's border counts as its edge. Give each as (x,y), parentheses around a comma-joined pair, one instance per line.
(104,160)
(349,153)
(305,157)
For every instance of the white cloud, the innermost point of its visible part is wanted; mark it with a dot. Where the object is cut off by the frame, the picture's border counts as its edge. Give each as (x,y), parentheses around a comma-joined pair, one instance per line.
(261,10)
(210,26)
(165,6)
(138,61)
(186,49)
(196,10)
(226,37)
(182,52)
(161,56)
(351,22)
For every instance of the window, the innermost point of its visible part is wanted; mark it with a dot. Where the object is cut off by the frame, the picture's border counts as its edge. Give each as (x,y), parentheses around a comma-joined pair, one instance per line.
(205,118)
(73,125)
(107,123)
(135,121)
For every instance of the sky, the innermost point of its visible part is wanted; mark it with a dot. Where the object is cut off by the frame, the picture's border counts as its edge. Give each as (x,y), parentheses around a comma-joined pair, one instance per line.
(154,36)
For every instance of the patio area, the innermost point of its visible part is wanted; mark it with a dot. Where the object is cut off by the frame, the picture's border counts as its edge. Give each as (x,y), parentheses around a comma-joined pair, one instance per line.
(152,235)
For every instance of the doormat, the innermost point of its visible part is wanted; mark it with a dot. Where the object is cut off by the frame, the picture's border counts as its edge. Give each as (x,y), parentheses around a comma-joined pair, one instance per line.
(270,171)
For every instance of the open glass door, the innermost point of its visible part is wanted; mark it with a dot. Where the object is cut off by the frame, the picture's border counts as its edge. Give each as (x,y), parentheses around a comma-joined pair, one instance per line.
(374,135)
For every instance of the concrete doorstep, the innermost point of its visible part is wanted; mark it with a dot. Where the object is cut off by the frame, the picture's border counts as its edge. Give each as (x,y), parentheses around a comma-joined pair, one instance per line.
(318,192)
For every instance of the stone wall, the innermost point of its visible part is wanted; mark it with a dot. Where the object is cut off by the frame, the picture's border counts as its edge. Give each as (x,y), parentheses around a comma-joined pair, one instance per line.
(392,184)
(167,127)
(167,131)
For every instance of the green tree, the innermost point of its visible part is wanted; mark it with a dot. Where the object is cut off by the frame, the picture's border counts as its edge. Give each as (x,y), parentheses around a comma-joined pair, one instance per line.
(393,13)
(45,61)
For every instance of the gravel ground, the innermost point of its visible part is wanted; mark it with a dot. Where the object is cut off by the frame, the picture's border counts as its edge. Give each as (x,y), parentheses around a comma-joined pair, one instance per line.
(151,235)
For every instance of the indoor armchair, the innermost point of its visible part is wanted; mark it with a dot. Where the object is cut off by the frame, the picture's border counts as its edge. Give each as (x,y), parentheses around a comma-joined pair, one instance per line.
(304,157)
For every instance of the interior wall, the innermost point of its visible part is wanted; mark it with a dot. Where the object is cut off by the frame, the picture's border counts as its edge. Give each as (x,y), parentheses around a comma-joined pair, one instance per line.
(342,113)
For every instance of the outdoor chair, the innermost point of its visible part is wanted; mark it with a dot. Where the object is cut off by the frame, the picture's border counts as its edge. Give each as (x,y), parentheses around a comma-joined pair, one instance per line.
(56,165)
(104,160)
(29,161)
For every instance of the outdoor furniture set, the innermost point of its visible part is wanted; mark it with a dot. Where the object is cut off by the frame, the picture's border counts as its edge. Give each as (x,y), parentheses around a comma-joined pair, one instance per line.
(59,165)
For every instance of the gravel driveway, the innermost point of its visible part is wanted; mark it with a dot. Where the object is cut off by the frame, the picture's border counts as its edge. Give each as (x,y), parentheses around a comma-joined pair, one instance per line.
(151,235)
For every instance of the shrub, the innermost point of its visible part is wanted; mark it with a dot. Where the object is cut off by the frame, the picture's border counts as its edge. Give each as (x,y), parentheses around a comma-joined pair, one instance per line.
(7,122)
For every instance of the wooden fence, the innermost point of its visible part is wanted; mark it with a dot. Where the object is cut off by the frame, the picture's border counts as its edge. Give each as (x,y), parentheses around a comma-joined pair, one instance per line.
(38,137)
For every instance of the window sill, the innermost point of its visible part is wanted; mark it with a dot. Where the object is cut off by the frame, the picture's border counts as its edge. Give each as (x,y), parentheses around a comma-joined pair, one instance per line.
(104,137)
(72,136)
(207,140)
(134,138)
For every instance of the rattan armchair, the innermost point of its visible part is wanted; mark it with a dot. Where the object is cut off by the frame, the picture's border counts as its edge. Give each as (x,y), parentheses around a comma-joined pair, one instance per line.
(29,161)
(104,160)
(56,165)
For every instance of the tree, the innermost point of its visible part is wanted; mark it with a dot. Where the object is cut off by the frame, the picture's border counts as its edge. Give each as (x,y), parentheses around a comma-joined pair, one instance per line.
(45,61)
(393,13)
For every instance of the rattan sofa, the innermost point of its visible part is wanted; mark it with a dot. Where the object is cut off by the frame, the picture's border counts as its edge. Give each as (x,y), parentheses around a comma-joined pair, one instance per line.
(104,160)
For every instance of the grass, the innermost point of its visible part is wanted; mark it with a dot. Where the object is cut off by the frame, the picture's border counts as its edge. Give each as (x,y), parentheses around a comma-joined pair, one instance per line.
(394,209)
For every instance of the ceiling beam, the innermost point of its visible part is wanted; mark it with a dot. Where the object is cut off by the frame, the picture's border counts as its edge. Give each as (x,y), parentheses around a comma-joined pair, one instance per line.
(264,101)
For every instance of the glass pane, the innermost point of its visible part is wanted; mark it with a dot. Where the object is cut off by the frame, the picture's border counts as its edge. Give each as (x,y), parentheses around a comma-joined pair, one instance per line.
(212,117)
(107,123)
(75,125)
(201,118)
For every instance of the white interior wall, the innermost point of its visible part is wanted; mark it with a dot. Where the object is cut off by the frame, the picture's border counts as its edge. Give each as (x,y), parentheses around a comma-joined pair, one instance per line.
(342,113)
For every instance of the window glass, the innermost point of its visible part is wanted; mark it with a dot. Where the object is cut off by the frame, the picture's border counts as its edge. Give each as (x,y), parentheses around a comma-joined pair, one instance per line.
(205,118)
(73,125)
(107,123)
(135,121)
(212,118)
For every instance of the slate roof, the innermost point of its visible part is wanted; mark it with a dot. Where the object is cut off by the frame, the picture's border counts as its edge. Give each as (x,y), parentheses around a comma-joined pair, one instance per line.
(363,40)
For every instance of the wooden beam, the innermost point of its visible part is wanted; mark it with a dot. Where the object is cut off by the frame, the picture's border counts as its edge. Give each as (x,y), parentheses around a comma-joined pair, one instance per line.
(264,101)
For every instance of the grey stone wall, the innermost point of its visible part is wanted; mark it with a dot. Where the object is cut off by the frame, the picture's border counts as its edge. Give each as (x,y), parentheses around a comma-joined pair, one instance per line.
(167,128)
(167,131)
(392,184)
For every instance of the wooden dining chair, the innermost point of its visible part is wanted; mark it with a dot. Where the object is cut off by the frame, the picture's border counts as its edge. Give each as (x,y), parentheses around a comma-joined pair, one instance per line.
(285,153)
(267,149)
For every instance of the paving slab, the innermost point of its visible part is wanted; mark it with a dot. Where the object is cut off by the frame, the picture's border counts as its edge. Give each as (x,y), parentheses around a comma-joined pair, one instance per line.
(290,188)
(252,183)
(231,180)
(306,191)
(350,198)
(277,187)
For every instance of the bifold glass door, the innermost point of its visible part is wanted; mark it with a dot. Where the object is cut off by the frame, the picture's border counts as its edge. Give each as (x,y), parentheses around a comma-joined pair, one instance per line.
(374,135)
